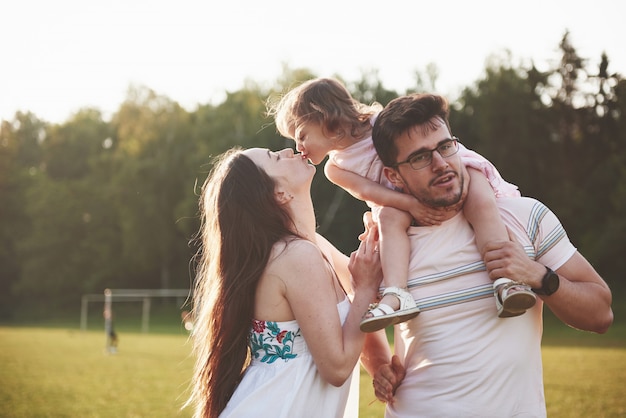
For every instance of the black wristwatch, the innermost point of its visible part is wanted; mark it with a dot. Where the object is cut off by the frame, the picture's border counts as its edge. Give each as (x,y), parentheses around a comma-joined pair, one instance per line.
(549,283)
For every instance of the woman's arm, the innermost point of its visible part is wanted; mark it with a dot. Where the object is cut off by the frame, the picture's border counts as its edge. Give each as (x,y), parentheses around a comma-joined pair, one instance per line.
(312,295)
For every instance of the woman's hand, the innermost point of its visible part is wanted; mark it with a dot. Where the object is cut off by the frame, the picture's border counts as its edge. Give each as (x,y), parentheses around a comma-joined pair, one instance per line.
(364,265)
(369,224)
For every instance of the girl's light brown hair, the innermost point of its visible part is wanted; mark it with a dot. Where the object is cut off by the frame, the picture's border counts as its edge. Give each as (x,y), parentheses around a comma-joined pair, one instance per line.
(323,101)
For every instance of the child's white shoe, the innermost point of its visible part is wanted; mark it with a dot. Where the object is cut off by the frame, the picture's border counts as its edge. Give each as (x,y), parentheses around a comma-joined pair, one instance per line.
(512,298)
(381,315)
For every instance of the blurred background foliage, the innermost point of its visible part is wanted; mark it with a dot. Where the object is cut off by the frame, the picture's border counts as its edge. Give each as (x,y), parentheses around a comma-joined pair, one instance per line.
(91,203)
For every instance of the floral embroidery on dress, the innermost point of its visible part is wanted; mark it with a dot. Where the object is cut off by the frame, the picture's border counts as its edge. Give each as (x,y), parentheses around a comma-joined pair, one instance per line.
(269,343)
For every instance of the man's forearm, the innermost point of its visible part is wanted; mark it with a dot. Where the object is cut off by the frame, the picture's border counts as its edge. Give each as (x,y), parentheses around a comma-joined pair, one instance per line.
(583,300)
(376,351)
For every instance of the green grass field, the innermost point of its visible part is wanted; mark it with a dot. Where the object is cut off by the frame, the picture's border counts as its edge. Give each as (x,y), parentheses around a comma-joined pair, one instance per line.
(56,371)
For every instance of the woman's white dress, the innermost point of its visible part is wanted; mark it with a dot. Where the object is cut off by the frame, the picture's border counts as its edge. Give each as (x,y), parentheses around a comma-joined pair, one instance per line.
(283,381)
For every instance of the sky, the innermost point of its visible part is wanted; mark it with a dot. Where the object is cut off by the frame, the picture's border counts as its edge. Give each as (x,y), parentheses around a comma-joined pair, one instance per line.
(63,55)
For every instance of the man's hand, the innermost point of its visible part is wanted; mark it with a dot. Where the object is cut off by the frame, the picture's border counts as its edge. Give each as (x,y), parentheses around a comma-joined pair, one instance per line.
(508,259)
(387,379)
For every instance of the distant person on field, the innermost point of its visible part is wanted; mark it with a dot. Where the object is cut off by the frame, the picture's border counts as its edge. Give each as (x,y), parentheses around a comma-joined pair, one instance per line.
(112,339)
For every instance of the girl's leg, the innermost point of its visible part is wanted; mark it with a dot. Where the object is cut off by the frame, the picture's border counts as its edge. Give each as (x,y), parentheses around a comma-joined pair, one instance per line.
(480,209)
(396,305)
(395,251)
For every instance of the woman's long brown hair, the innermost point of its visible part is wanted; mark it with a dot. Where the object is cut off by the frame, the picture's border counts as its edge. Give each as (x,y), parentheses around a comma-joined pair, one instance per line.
(241,222)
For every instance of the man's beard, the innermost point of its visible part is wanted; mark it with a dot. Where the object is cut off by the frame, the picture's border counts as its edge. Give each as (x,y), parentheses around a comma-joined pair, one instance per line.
(443,202)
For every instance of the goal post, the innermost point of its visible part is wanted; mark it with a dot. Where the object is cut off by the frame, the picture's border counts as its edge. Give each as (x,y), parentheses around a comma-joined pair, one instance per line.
(109,296)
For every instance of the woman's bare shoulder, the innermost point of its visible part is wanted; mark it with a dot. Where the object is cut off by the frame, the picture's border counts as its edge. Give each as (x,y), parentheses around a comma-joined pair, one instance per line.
(298,260)
(297,251)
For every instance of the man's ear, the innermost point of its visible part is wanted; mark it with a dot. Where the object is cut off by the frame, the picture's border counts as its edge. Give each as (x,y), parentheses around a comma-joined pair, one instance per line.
(394,177)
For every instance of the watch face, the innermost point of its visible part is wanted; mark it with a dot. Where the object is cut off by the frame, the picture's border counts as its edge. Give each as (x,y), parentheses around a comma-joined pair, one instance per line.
(551,283)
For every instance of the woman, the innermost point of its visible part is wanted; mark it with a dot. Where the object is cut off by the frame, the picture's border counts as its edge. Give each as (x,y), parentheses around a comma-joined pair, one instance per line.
(275,333)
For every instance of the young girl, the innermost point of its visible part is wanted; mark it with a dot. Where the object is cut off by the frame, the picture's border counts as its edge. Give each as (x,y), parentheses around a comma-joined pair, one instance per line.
(323,119)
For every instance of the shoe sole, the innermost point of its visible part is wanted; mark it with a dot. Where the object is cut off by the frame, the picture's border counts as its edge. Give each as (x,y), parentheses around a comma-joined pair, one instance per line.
(517,304)
(383,321)
(519,301)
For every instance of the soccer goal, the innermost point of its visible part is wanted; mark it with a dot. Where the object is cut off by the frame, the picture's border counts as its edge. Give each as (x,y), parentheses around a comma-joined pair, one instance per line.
(145,296)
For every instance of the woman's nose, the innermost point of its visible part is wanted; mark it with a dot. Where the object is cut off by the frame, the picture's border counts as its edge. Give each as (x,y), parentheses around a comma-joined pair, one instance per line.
(288,152)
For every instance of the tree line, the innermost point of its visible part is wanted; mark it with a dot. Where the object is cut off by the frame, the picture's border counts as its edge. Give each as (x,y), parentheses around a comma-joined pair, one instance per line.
(90,203)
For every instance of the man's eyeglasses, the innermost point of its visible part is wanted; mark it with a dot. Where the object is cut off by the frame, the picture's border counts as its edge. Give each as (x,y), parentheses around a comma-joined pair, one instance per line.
(423,159)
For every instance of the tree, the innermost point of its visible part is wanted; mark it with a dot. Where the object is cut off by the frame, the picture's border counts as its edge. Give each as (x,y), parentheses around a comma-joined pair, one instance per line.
(90,203)
(153,148)
(61,251)
(503,119)
(20,161)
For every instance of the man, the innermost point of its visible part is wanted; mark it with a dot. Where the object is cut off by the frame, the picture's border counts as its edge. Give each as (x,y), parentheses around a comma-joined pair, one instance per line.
(457,358)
